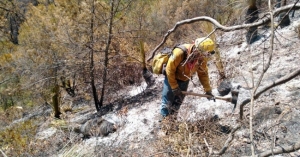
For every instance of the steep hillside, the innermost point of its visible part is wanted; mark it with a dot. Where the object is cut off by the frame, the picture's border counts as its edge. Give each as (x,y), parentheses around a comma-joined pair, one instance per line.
(276,112)
(199,128)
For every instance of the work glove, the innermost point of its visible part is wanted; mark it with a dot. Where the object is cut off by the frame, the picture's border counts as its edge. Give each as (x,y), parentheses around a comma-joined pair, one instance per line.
(177,92)
(210,98)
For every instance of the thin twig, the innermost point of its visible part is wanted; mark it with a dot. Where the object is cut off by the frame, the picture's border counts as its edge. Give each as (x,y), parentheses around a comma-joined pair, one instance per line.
(207,145)
(4,155)
(4,81)
(159,153)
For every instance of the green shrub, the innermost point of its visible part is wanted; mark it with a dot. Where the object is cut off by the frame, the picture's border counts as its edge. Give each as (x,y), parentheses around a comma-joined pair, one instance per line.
(16,140)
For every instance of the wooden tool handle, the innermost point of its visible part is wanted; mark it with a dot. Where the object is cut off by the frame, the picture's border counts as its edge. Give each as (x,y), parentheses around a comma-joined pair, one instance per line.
(207,96)
(196,94)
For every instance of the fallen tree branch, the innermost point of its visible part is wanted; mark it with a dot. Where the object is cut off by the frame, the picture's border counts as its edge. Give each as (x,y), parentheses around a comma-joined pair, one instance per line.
(207,145)
(280,150)
(226,145)
(4,155)
(218,26)
(280,81)
(163,152)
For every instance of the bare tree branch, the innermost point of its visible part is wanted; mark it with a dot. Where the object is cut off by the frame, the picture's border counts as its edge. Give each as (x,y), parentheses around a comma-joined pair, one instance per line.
(4,81)
(269,86)
(258,83)
(3,153)
(5,9)
(262,21)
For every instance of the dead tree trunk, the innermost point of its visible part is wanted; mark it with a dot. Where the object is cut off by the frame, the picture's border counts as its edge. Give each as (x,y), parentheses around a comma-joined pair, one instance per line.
(92,66)
(284,19)
(106,51)
(147,75)
(252,16)
(56,101)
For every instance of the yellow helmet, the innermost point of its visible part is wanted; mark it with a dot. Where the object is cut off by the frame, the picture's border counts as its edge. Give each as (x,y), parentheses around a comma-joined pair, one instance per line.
(205,44)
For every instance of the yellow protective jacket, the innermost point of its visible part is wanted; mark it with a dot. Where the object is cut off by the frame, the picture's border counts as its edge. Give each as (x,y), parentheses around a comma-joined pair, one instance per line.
(175,69)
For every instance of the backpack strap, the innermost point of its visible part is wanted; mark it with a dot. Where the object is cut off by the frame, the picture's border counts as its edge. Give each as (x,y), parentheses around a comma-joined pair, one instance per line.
(183,48)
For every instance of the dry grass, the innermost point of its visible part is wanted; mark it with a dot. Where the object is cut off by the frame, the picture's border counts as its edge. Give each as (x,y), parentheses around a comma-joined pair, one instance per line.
(15,140)
(191,138)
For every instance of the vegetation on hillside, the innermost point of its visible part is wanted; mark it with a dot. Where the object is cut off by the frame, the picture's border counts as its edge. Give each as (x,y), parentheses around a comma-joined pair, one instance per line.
(88,49)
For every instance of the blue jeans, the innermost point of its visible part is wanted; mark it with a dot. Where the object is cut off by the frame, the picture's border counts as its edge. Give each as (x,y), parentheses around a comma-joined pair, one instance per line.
(169,101)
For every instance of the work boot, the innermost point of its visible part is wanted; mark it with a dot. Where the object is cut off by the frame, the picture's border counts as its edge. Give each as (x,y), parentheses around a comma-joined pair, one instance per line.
(163,113)
(174,108)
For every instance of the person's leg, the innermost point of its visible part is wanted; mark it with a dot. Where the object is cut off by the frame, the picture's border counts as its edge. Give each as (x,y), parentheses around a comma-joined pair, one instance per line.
(167,98)
(183,85)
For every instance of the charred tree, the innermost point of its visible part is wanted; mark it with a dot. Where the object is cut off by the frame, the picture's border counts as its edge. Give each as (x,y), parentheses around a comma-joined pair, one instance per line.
(147,75)
(252,16)
(56,101)
(283,18)
(106,51)
(91,57)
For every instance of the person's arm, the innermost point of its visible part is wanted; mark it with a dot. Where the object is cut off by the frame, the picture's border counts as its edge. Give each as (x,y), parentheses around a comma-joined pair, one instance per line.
(174,61)
(203,75)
